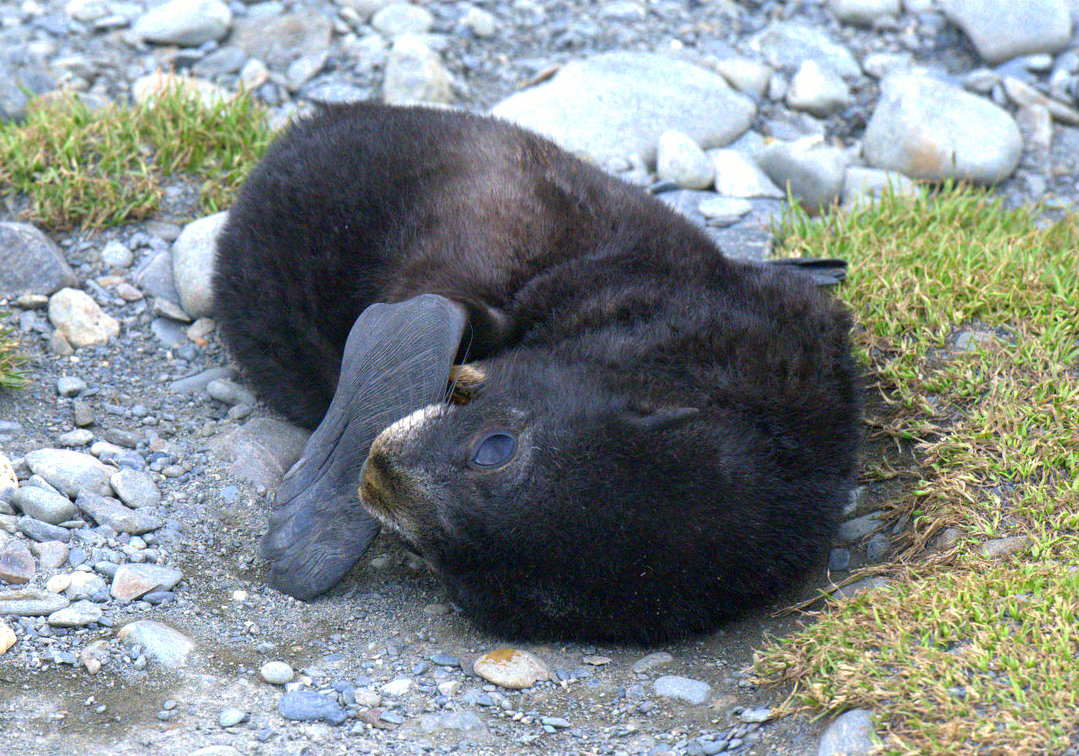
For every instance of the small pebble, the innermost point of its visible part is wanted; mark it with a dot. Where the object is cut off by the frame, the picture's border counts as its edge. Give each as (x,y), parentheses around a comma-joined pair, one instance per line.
(276,672)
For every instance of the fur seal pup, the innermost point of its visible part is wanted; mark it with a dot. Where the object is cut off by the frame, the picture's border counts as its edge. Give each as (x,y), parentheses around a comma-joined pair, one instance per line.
(555,389)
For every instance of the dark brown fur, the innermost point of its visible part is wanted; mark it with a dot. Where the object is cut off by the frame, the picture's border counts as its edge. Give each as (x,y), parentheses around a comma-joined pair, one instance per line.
(692,420)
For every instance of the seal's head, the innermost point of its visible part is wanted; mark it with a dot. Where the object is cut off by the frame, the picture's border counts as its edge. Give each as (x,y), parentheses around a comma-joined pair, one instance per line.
(551,504)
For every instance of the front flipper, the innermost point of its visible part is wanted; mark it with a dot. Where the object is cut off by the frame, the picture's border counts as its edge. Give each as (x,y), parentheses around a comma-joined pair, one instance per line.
(823,271)
(396,360)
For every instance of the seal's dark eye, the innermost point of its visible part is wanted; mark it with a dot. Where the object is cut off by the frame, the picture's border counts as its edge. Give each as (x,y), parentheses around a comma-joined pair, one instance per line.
(493,449)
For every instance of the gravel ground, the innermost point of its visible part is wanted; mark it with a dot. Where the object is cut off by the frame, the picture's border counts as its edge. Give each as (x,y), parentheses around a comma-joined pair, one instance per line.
(382,664)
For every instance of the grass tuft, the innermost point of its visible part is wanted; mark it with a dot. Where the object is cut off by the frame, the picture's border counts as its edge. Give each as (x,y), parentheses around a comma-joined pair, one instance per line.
(11,360)
(101,167)
(969,322)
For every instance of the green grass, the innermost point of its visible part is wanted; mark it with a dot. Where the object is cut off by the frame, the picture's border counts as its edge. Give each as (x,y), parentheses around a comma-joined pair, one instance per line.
(960,653)
(78,166)
(11,376)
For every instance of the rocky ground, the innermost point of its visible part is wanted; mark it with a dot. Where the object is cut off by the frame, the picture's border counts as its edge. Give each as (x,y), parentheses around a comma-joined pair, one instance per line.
(137,472)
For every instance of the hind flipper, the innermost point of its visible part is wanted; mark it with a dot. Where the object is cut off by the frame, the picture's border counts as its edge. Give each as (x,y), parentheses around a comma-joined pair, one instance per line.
(396,360)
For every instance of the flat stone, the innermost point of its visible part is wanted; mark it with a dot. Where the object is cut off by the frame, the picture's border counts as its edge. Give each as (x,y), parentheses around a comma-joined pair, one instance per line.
(77,437)
(1004,29)
(262,450)
(652,661)
(71,472)
(402,18)
(79,614)
(999,548)
(461,721)
(415,74)
(739,176)
(279,41)
(105,510)
(17,564)
(187,23)
(44,505)
(135,488)
(80,320)
(860,527)
(30,262)
(817,90)
(927,129)
(511,668)
(70,385)
(309,706)
(810,170)
(116,254)
(617,104)
(169,646)
(747,76)
(851,734)
(134,580)
(859,586)
(863,12)
(154,276)
(231,717)
(397,687)
(684,689)
(51,555)
(724,210)
(84,585)
(193,264)
(31,602)
(787,44)
(82,413)
(42,531)
(199,381)
(230,393)
(756,715)
(681,160)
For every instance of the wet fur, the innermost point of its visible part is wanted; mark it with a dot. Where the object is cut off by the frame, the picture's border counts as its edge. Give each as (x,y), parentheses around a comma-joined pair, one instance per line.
(630,521)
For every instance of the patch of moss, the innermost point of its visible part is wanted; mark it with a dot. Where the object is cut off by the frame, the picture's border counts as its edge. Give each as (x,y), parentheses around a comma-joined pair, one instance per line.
(969,322)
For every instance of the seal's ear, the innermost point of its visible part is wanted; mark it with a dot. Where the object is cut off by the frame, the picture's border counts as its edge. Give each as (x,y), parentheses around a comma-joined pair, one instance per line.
(660,419)
(487,330)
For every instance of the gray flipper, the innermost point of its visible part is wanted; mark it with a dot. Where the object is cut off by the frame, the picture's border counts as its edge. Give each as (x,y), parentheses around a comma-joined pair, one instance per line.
(823,271)
(397,359)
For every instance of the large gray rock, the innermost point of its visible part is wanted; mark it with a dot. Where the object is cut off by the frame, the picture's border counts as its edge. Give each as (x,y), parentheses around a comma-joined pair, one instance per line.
(280,41)
(810,170)
(169,646)
(614,105)
(739,176)
(817,90)
(71,472)
(184,22)
(681,160)
(402,18)
(44,505)
(80,319)
(30,263)
(785,44)
(863,12)
(414,73)
(1005,29)
(927,129)
(262,450)
(105,510)
(193,264)
(691,691)
(851,734)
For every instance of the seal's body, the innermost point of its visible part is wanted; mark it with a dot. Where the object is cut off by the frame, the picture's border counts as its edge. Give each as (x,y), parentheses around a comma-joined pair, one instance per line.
(647,438)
